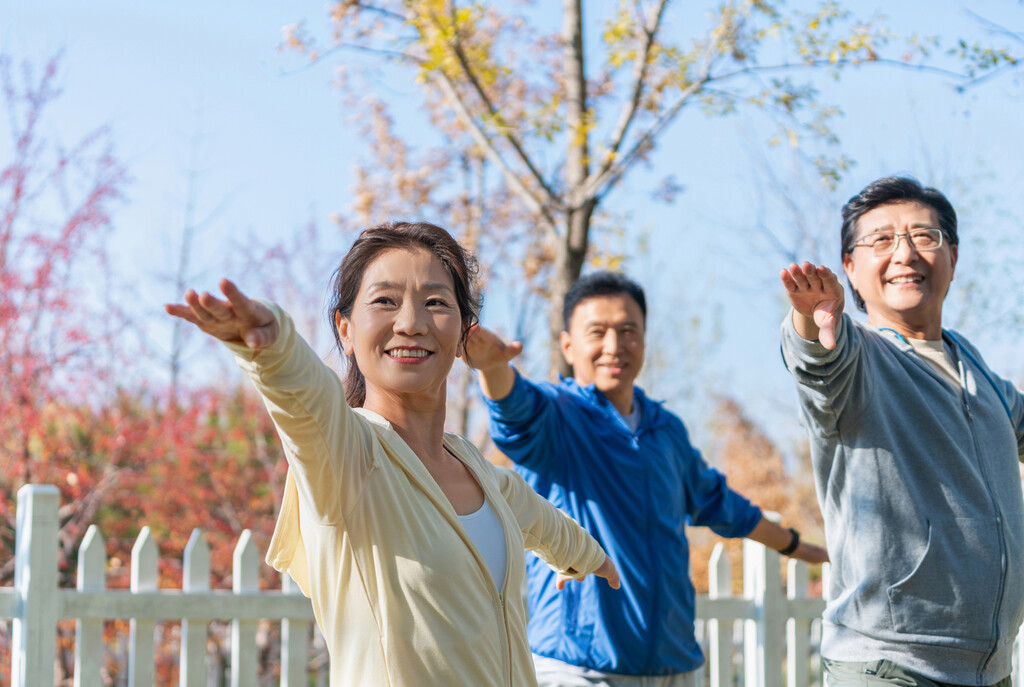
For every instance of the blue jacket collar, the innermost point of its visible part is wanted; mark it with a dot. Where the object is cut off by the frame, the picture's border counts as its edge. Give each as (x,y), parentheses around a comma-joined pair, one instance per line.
(651,413)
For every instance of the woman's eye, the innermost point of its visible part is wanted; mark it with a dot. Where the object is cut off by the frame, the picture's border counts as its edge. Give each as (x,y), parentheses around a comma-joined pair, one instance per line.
(436,302)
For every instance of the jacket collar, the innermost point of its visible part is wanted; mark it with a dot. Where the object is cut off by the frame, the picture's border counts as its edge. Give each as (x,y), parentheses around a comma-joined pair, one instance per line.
(651,413)
(407,461)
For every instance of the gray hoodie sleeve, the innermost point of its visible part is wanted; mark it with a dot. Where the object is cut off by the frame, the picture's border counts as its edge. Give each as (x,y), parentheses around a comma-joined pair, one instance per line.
(830,386)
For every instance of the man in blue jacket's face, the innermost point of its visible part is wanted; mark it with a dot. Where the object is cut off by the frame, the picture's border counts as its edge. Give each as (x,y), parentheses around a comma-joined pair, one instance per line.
(604,343)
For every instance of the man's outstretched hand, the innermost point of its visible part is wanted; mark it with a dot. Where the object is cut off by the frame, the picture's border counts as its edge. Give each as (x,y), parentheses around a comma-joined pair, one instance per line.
(607,571)
(491,355)
(817,298)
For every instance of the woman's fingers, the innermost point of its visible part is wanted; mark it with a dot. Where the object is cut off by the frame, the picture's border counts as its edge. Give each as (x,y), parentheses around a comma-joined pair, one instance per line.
(236,319)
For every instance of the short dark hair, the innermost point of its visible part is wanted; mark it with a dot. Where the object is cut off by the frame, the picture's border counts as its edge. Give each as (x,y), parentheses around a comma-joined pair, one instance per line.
(460,264)
(889,191)
(603,283)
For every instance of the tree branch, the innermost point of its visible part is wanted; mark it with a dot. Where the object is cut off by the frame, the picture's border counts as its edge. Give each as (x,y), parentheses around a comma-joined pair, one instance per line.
(506,132)
(382,11)
(392,55)
(535,205)
(629,109)
(995,28)
(994,72)
(600,184)
(815,64)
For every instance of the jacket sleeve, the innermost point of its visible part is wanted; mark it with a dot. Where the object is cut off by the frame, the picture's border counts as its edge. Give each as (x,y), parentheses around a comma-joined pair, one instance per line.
(547,531)
(330,449)
(709,500)
(523,425)
(826,379)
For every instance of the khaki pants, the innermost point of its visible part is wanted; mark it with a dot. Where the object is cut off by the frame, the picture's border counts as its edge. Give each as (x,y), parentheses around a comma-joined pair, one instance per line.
(881,674)
(552,673)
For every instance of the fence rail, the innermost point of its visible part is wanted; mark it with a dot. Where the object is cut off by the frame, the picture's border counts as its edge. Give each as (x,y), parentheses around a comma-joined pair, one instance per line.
(35,604)
(777,642)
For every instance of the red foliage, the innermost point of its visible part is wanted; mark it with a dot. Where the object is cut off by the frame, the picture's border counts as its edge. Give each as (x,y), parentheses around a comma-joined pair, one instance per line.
(207,458)
(55,206)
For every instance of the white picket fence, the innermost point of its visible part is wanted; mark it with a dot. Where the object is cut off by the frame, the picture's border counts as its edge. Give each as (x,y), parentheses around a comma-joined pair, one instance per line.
(776,643)
(35,604)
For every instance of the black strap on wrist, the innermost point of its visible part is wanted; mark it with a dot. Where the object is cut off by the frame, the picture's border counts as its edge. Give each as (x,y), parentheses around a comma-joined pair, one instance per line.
(793,543)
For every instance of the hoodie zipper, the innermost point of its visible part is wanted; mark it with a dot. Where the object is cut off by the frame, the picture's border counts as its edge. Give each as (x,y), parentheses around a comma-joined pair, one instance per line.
(999,518)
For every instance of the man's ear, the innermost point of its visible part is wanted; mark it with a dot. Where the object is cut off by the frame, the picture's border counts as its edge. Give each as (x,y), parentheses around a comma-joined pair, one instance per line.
(344,333)
(848,268)
(566,344)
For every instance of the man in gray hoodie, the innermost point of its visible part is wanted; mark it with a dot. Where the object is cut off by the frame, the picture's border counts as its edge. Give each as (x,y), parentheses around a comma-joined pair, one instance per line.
(915,445)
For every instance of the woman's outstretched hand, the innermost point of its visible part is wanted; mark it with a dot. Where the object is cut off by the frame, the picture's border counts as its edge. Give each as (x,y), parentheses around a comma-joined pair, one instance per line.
(607,571)
(238,320)
(817,299)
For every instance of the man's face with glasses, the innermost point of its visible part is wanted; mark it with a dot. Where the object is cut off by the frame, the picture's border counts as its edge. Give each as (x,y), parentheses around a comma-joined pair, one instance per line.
(902,265)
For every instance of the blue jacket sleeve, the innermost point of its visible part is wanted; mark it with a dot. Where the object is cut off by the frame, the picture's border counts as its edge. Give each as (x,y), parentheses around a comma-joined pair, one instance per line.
(710,501)
(523,424)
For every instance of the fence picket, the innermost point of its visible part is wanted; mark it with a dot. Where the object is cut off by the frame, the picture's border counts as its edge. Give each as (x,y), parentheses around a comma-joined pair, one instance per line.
(753,628)
(143,579)
(34,639)
(720,631)
(92,577)
(294,643)
(195,578)
(798,630)
(245,580)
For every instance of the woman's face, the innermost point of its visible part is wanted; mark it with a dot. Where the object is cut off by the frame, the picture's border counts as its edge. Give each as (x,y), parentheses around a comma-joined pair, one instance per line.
(405,327)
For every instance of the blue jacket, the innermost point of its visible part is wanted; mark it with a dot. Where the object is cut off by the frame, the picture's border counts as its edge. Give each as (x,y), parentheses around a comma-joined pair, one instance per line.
(635,495)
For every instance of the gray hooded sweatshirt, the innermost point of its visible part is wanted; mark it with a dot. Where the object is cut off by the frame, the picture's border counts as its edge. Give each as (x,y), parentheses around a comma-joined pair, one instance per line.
(921,493)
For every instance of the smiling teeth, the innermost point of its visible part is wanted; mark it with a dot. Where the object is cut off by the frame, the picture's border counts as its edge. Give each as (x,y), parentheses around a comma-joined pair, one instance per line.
(905,280)
(408,353)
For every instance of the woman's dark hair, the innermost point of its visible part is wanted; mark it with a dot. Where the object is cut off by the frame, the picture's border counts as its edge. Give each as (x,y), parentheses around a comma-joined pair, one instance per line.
(888,191)
(460,264)
(603,283)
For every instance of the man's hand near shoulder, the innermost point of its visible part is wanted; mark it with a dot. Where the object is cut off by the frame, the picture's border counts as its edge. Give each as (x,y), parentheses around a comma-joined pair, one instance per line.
(490,355)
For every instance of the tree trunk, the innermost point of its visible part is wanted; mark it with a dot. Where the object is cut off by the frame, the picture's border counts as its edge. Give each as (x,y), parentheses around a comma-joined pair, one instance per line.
(573,250)
(474,197)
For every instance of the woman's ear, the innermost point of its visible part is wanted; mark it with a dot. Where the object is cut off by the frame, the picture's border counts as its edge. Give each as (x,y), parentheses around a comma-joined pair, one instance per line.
(344,333)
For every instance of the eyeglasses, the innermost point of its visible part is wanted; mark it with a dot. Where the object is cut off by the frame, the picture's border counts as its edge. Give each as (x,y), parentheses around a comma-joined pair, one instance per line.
(886,242)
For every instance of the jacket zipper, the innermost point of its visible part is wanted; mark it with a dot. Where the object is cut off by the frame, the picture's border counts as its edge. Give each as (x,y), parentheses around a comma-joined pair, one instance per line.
(508,639)
(999,518)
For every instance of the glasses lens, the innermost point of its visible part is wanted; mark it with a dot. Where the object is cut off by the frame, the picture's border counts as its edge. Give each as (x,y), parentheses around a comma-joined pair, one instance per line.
(882,243)
(926,239)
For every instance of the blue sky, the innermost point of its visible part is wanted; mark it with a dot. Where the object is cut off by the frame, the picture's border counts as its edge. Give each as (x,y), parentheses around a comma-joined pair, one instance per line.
(276,151)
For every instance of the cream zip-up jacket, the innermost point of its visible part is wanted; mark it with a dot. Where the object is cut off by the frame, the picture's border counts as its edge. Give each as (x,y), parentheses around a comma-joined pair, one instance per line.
(398,589)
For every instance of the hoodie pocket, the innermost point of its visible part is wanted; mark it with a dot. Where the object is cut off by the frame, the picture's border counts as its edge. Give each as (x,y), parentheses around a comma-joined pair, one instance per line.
(954,589)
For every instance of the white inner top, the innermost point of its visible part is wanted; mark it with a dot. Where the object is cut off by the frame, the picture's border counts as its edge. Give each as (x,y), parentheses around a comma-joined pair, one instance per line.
(484,528)
(939,359)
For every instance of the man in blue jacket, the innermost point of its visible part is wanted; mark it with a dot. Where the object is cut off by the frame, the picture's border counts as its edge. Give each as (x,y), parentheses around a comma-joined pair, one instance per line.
(623,467)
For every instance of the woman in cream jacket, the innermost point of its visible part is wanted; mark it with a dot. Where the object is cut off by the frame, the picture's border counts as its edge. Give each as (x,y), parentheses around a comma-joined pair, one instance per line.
(409,544)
